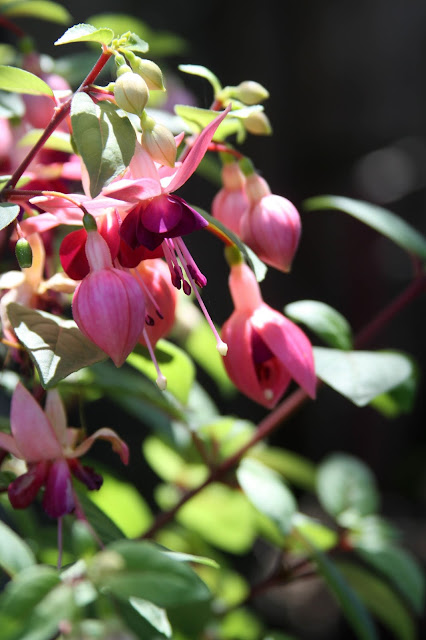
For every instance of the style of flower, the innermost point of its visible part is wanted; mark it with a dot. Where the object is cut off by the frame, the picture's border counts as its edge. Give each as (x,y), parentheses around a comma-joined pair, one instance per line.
(51,452)
(266,350)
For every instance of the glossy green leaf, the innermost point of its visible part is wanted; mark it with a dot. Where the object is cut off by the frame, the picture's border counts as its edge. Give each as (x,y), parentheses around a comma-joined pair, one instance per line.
(15,554)
(345,484)
(202,72)
(370,532)
(104,138)
(382,220)
(44,621)
(400,568)
(313,531)
(156,616)
(56,346)
(150,574)
(169,465)
(20,81)
(86,33)
(11,105)
(222,516)
(401,399)
(294,468)
(323,320)
(27,589)
(360,376)
(105,528)
(380,600)
(8,213)
(350,603)
(174,364)
(42,9)
(258,267)
(136,44)
(59,141)
(267,492)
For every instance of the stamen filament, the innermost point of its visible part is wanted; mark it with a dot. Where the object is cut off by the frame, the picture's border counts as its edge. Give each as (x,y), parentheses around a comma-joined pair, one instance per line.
(161,380)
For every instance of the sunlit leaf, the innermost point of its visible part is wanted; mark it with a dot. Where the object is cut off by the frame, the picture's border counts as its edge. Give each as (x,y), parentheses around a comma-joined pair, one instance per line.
(86,33)
(59,141)
(15,554)
(316,533)
(42,9)
(382,220)
(156,616)
(8,213)
(294,468)
(345,484)
(401,399)
(361,375)
(197,119)
(104,138)
(226,434)
(27,589)
(202,72)
(105,528)
(323,320)
(242,624)
(56,346)
(20,81)
(11,105)
(170,466)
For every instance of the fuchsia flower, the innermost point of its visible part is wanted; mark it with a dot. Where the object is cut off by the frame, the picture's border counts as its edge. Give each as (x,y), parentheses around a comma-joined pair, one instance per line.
(51,451)
(231,202)
(271,225)
(265,349)
(108,304)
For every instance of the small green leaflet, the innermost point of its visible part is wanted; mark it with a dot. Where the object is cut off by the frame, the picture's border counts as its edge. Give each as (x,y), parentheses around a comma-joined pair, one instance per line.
(202,72)
(323,320)
(382,220)
(104,138)
(197,119)
(56,346)
(15,554)
(361,375)
(86,33)
(156,616)
(59,141)
(42,9)
(20,81)
(8,213)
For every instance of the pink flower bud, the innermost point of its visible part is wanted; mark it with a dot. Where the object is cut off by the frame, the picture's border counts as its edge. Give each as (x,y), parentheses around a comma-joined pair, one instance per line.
(231,202)
(161,301)
(271,225)
(265,349)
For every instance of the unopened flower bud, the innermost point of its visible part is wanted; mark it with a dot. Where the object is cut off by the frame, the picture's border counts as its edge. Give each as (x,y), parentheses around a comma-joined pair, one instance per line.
(258,124)
(150,72)
(250,92)
(24,253)
(131,93)
(158,141)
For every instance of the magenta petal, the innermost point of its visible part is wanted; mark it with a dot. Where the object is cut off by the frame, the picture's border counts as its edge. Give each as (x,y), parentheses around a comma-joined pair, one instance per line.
(23,491)
(59,497)
(72,255)
(86,475)
(162,214)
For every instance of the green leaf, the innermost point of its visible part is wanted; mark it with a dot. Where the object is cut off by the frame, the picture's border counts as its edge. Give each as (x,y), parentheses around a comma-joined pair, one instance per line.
(42,9)
(242,624)
(106,529)
(197,119)
(174,364)
(20,81)
(86,33)
(27,589)
(169,465)
(361,375)
(104,138)
(11,105)
(345,484)
(267,492)
(293,467)
(256,265)
(401,399)
(202,72)
(222,516)
(316,533)
(156,616)
(15,554)
(382,220)
(56,346)
(135,43)
(323,320)
(59,141)
(400,568)
(352,607)
(380,600)
(224,435)
(150,574)
(8,213)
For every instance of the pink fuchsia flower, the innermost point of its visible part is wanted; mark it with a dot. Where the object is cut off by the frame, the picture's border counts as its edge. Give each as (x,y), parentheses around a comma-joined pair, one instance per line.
(231,202)
(108,304)
(271,225)
(51,451)
(265,349)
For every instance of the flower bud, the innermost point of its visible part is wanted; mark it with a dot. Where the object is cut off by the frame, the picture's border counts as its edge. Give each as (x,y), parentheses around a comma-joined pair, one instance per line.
(250,92)
(231,202)
(24,253)
(258,124)
(158,141)
(131,93)
(150,72)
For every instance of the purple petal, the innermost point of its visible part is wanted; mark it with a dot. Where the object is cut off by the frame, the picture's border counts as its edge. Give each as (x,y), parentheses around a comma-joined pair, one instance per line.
(24,489)
(59,497)
(86,475)
(162,214)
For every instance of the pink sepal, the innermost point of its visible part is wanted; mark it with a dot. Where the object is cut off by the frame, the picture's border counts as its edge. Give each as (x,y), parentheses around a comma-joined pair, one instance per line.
(118,445)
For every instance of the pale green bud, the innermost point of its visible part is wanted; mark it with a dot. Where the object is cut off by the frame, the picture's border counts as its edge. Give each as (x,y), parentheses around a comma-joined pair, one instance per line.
(131,93)
(158,141)
(24,253)
(258,124)
(250,92)
(150,72)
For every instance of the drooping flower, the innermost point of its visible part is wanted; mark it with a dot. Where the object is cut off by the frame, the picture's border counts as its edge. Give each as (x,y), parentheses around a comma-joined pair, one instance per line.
(51,452)
(108,305)
(271,224)
(265,349)
(231,202)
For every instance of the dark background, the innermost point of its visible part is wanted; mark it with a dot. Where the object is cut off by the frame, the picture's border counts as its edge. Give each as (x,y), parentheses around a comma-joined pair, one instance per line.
(348,104)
